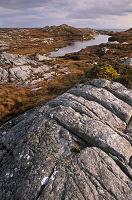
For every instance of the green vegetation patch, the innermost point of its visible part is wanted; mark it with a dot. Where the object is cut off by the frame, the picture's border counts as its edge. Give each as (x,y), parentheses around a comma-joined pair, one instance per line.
(76,149)
(103,71)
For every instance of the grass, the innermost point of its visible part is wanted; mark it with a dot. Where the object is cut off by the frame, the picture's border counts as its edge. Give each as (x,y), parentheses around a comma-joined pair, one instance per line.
(15,100)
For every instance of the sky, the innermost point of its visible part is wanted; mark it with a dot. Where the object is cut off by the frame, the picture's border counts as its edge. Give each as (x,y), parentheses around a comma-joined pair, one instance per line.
(98,14)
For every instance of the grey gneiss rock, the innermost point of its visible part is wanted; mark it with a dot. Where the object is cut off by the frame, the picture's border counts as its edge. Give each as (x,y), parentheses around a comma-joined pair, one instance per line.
(103,51)
(25,71)
(15,59)
(75,147)
(128,62)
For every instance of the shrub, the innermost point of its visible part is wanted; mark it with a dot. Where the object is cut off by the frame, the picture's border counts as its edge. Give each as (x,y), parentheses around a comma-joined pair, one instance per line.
(100,71)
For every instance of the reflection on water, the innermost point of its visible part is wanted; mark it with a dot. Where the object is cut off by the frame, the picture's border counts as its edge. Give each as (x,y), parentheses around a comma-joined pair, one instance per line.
(77,46)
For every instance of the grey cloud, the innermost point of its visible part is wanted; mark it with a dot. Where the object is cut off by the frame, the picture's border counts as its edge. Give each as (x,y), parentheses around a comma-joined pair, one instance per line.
(97,8)
(55,12)
(76,8)
(22,4)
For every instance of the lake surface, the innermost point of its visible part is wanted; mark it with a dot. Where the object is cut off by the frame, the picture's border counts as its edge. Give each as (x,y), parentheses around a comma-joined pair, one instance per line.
(77,46)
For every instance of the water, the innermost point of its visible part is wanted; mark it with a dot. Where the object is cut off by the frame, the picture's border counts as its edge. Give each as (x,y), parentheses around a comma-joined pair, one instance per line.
(117,30)
(77,46)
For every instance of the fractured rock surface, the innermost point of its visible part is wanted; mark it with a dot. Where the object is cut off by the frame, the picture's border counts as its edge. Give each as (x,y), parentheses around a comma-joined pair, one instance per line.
(24,70)
(75,147)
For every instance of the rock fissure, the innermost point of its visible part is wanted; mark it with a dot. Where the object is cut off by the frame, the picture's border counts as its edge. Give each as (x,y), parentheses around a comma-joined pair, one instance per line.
(123,168)
(98,180)
(87,143)
(71,103)
(81,192)
(98,117)
(45,183)
(117,162)
(64,192)
(116,89)
(84,112)
(99,95)
(84,134)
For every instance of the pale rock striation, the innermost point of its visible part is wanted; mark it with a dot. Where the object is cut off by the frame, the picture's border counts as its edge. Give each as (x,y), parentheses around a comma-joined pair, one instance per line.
(75,147)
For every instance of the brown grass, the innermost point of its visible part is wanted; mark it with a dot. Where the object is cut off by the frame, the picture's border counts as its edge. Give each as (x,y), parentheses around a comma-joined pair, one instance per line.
(15,100)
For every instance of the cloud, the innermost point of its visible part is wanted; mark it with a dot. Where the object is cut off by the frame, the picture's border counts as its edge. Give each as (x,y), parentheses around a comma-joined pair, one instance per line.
(95,8)
(22,4)
(72,12)
(7,12)
(99,6)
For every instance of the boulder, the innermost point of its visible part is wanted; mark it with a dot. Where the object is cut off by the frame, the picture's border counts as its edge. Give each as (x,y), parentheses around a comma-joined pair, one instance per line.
(43,57)
(113,42)
(77,146)
(128,62)
(102,51)
(20,72)
(40,69)
(3,75)
(124,43)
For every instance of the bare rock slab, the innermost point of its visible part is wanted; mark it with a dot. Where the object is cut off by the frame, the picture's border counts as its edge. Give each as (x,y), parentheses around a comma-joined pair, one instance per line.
(77,146)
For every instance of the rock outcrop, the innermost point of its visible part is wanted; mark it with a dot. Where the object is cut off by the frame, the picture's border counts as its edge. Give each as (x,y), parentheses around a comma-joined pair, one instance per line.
(77,146)
(22,69)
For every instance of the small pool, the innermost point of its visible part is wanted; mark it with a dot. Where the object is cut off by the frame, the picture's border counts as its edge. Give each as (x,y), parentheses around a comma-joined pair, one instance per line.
(77,46)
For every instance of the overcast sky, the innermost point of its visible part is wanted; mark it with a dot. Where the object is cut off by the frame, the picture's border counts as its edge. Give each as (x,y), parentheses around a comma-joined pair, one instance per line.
(114,14)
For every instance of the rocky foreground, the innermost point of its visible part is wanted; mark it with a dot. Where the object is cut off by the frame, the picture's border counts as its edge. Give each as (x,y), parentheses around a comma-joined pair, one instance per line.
(77,146)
